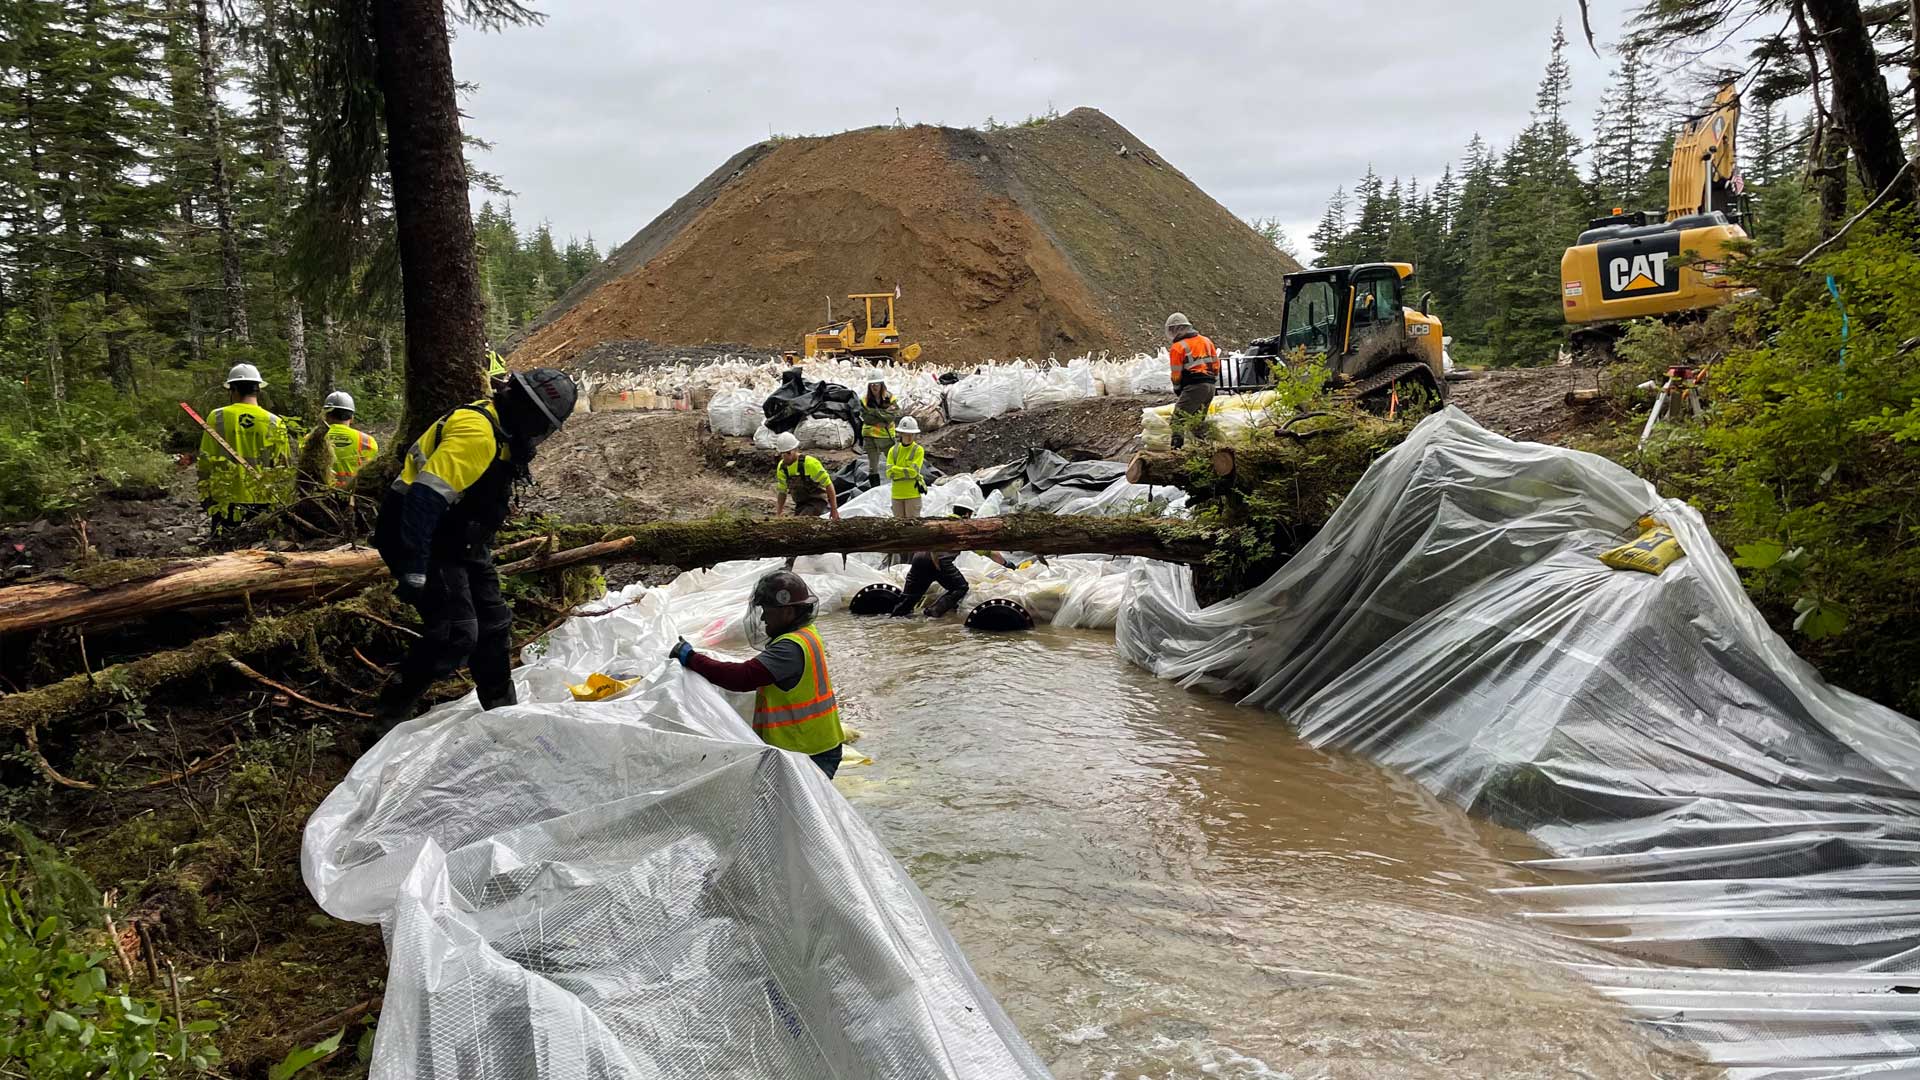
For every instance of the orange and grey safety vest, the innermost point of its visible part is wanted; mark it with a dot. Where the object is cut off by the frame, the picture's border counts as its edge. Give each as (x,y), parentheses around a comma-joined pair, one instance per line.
(1193,357)
(806,718)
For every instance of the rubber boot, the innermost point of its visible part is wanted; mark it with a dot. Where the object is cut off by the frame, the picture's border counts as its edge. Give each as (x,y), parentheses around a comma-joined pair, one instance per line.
(947,602)
(505,697)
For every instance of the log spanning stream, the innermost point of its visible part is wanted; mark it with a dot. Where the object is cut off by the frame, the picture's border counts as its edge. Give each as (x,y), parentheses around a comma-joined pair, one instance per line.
(1155,883)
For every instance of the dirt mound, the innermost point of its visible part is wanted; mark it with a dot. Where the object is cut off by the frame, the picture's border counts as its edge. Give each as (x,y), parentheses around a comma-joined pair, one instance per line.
(1101,427)
(1052,239)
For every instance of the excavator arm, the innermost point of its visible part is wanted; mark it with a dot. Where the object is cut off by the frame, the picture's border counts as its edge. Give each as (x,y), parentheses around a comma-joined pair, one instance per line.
(1700,176)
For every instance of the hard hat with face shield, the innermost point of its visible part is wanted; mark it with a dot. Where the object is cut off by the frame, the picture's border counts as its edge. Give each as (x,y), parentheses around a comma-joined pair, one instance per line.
(780,603)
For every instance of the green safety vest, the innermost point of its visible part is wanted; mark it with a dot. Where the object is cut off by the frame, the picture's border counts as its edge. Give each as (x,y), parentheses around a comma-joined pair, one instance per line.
(903,468)
(877,420)
(805,719)
(256,435)
(352,449)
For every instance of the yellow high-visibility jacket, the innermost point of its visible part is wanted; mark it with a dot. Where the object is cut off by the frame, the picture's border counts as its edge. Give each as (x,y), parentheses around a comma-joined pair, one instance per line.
(352,449)
(256,435)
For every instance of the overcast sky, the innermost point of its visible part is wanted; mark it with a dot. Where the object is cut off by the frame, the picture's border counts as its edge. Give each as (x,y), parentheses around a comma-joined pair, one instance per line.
(612,109)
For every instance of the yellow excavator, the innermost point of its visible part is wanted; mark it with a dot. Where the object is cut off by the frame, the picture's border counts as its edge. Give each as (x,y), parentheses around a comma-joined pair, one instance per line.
(879,341)
(1630,266)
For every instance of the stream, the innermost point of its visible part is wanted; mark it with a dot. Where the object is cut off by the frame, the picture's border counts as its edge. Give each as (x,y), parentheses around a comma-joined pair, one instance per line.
(1156,883)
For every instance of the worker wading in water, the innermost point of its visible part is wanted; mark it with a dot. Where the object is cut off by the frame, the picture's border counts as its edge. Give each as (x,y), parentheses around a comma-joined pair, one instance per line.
(436,532)
(1194,366)
(931,566)
(233,492)
(878,413)
(802,477)
(904,462)
(352,448)
(793,704)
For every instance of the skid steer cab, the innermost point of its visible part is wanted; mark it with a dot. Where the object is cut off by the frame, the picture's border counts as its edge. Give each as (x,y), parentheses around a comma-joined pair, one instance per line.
(1376,348)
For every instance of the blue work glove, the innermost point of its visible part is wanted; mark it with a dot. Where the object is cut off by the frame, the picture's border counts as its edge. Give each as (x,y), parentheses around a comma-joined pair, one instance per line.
(411,589)
(681,651)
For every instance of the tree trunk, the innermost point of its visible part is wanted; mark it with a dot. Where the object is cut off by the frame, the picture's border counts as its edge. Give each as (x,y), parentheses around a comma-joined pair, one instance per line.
(1830,182)
(231,280)
(112,288)
(1862,106)
(434,224)
(1174,468)
(274,152)
(41,272)
(297,347)
(114,593)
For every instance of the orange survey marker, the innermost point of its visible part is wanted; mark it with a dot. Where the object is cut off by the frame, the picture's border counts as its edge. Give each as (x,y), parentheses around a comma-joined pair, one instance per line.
(224,445)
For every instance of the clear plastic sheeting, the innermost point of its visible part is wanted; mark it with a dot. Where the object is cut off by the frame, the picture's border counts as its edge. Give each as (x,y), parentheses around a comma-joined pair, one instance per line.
(638,888)
(1743,834)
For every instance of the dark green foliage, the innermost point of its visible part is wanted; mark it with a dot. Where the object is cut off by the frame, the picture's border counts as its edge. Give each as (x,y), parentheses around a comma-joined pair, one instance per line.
(1819,452)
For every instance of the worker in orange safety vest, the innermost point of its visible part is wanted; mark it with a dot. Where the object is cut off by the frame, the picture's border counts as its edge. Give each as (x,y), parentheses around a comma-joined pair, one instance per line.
(1194,366)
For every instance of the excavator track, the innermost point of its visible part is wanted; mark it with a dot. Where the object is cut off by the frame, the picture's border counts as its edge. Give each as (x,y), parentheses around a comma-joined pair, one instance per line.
(1380,380)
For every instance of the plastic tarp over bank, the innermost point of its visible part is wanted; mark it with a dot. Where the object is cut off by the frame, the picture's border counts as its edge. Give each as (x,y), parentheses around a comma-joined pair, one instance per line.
(1742,833)
(638,888)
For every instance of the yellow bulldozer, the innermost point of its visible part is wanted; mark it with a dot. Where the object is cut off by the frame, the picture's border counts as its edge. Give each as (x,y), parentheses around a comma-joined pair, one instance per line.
(1645,264)
(876,338)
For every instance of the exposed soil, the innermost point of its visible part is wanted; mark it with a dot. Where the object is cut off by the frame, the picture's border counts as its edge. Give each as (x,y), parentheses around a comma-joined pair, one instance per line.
(640,466)
(1102,427)
(638,355)
(1530,403)
(1054,239)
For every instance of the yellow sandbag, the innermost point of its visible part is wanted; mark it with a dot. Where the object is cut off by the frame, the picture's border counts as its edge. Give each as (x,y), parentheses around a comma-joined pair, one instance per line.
(1654,551)
(599,687)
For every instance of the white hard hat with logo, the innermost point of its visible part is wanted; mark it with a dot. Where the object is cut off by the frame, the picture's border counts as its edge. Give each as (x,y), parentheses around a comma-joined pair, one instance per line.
(908,426)
(245,373)
(339,401)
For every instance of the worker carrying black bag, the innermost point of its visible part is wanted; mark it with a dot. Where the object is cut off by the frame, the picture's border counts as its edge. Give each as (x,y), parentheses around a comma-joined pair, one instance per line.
(436,530)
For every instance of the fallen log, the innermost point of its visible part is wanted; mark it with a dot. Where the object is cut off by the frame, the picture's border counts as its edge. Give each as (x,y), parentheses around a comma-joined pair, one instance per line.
(113,593)
(81,693)
(1174,468)
(108,593)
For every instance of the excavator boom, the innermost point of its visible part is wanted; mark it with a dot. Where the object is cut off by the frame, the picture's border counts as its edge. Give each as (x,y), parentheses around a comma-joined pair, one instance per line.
(1700,176)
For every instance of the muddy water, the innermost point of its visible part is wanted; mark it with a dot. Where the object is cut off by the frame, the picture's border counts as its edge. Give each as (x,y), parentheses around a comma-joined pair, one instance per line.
(1157,884)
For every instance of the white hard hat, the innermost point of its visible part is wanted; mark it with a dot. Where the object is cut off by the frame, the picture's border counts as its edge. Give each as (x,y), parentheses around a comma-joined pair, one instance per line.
(786,442)
(907,426)
(244,373)
(339,401)
(1177,320)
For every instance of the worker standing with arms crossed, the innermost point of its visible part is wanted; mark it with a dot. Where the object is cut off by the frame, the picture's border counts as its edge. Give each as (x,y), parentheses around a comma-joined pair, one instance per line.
(233,492)
(794,707)
(436,529)
(904,461)
(352,448)
(803,477)
(1194,365)
(878,413)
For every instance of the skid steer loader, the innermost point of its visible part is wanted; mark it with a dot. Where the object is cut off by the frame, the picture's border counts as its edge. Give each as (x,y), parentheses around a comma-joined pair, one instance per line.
(1375,347)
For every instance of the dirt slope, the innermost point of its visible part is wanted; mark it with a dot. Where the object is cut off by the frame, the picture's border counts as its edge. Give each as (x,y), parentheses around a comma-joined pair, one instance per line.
(1054,239)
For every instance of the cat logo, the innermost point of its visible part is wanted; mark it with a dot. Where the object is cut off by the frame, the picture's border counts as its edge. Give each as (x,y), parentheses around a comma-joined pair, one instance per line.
(1643,266)
(1638,273)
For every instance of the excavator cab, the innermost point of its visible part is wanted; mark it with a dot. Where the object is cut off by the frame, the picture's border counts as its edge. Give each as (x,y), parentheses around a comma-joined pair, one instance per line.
(1355,318)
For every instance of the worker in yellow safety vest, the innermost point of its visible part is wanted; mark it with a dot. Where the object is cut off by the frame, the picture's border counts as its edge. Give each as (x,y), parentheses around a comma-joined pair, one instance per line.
(794,707)
(905,458)
(879,411)
(352,448)
(805,479)
(435,533)
(233,491)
